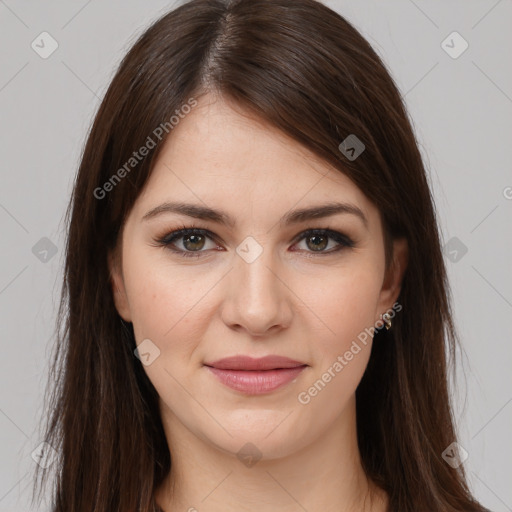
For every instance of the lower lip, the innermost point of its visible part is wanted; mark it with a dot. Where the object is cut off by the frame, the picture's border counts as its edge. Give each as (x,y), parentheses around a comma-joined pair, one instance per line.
(256,382)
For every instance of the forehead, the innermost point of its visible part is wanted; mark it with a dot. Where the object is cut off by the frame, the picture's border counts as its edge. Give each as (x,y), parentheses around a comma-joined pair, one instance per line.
(221,156)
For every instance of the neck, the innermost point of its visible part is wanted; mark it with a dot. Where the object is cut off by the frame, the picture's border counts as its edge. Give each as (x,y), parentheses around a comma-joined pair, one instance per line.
(326,475)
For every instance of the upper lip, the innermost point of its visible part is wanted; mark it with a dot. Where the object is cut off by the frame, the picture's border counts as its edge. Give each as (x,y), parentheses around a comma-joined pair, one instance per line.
(249,363)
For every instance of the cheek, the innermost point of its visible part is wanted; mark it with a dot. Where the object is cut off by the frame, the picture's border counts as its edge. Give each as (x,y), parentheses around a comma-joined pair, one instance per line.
(169,307)
(167,302)
(346,303)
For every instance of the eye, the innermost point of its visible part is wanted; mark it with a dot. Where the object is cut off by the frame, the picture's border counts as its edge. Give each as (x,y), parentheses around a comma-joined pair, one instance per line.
(318,239)
(194,240)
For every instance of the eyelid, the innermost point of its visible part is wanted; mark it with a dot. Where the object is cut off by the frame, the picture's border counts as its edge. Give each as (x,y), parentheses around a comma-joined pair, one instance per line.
(178,233)
(338,236)
(343,240)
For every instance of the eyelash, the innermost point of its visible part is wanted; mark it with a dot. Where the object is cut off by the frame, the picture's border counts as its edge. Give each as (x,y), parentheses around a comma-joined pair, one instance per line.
(168,239)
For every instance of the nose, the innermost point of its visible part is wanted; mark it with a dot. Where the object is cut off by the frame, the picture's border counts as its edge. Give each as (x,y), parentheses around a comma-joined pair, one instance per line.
(257,299)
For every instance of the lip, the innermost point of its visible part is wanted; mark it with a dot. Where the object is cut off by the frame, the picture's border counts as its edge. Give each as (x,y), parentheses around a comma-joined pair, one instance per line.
(241,362)
(256,376)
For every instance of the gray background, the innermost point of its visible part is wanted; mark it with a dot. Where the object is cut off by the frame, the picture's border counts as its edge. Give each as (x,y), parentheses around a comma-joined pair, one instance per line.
(461,109)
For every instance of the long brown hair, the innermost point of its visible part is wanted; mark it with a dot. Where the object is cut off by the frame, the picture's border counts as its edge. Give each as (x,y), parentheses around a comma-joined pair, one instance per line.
(303,68)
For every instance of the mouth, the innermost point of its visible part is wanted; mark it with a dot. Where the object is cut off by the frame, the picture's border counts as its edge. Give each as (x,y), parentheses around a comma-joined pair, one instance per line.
(256,376)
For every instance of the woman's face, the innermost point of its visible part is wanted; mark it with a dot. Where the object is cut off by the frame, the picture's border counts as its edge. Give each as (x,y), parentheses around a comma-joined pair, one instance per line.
(253,285)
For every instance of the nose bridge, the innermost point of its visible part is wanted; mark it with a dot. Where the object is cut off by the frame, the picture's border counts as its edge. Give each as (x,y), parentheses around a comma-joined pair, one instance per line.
(256,275)
(258,298)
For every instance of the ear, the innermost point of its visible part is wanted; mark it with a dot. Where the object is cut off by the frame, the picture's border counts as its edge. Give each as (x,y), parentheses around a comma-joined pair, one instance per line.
(118,288)
(392,282)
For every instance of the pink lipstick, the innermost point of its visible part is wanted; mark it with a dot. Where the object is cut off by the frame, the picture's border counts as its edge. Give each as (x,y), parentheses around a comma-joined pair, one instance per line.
(255,376)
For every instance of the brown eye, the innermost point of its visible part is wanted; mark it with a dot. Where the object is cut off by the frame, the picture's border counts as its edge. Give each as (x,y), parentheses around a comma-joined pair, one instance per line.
(193,242)
(318,242)
(189,242)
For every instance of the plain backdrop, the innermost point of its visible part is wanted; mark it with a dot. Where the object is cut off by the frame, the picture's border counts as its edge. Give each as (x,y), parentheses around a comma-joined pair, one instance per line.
(459,98)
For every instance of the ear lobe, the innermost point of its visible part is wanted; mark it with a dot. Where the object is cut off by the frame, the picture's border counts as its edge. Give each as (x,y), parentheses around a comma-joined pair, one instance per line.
(394,275)
(118,288)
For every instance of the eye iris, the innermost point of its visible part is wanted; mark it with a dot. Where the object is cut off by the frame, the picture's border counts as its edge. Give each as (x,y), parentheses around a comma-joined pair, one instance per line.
(194,240)
(318,245)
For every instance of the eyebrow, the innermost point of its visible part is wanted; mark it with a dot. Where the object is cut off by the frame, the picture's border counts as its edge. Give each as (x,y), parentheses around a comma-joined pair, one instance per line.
(221,217)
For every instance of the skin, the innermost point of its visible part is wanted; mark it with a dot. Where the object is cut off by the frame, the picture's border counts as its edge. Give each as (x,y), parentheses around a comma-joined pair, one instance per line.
(290,301)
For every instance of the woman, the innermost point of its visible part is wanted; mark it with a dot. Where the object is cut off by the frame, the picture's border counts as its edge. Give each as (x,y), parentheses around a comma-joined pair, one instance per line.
(255,308)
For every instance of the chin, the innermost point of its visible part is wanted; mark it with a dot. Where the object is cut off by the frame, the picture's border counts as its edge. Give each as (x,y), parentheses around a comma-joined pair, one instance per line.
(262,439)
